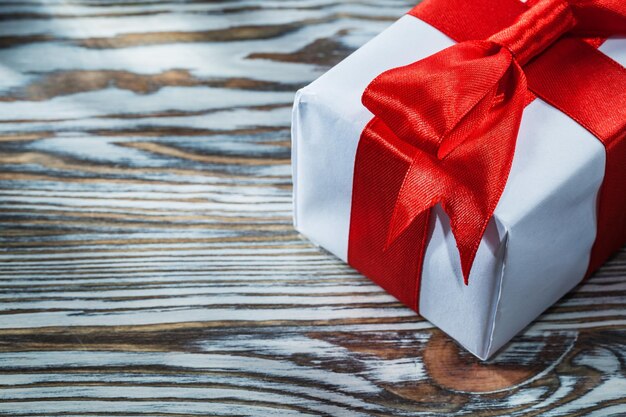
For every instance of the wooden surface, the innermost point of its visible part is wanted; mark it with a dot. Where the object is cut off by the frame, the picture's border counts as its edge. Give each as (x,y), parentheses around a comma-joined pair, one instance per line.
(148,265)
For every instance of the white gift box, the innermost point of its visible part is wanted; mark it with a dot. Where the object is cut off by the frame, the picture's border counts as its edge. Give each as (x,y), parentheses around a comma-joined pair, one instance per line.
(530,255)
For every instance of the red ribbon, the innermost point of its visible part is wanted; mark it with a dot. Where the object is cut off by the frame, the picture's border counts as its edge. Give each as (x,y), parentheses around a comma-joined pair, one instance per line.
(445,127)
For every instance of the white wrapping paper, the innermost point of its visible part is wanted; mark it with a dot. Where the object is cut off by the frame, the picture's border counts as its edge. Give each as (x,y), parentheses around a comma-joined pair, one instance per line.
(537,246)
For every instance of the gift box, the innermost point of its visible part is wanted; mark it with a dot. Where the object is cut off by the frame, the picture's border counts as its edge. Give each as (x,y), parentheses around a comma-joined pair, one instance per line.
(561,211)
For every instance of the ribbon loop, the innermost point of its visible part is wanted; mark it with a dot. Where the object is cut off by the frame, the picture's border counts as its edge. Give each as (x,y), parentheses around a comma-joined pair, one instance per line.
(430,104)
(469,180)
(599,17)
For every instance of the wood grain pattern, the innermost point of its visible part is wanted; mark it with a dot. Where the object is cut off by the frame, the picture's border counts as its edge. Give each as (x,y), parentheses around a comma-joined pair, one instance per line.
(148,265)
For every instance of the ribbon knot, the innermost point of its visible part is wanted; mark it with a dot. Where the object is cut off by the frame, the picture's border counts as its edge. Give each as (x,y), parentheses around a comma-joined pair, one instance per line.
(536,29)
(460,111)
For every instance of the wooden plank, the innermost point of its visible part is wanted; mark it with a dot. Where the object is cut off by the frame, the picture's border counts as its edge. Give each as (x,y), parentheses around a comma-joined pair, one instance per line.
(148,262)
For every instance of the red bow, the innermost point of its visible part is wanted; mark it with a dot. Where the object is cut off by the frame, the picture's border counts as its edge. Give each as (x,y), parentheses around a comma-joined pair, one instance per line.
(457,113)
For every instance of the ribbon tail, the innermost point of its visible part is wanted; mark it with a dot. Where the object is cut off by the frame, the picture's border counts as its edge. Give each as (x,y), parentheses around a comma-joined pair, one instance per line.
(481,169)
(420,190)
